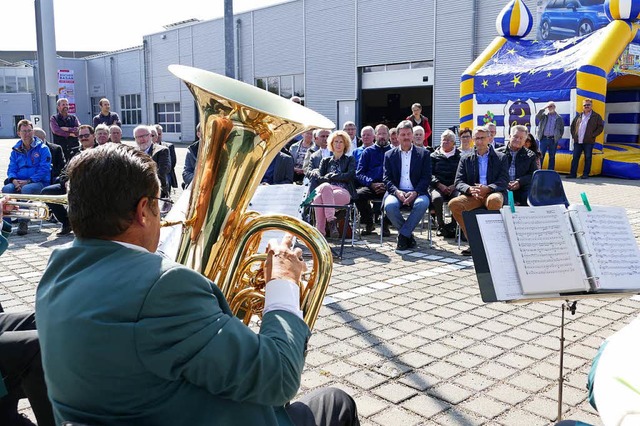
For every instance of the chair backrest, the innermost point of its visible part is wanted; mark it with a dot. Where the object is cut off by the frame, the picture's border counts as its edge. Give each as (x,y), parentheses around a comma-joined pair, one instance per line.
(546,189)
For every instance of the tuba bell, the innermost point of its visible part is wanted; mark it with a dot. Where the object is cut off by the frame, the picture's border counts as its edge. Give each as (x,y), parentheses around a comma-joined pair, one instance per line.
(243,128)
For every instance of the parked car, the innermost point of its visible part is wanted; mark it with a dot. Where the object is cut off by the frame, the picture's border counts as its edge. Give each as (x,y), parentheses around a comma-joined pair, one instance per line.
(570,18)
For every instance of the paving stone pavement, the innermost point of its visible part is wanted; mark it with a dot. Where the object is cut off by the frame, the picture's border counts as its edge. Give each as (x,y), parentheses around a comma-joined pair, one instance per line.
(407,335)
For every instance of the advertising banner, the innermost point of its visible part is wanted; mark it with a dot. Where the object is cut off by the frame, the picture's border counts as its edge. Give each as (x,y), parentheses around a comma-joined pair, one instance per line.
(560,19)
(66,88)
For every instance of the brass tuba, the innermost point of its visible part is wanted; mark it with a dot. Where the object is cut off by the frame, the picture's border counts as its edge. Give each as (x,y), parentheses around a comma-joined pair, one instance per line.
(32,206)
(243,128)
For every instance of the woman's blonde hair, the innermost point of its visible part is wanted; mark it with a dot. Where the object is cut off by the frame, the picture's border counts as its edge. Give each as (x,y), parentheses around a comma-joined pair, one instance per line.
(345,138)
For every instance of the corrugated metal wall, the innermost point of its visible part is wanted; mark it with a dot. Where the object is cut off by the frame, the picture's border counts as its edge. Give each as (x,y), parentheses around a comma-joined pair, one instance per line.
(278,42)
(331,72)
(390,33)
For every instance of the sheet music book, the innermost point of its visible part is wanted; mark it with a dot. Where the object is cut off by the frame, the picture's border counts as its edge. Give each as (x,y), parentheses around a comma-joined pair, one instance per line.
(550,252)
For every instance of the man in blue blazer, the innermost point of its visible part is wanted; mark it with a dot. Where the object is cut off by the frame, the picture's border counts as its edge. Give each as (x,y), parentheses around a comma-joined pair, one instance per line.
(407,175)
(481,179)
(131,338)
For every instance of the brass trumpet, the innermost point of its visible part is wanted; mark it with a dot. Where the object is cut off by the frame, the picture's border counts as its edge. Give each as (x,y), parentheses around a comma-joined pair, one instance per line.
(243,128)
(31,206)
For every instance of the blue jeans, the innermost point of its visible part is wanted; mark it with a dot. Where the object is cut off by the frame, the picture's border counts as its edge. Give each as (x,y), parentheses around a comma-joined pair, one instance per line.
(31,188)
(392,208)
(578,149)
(548,144)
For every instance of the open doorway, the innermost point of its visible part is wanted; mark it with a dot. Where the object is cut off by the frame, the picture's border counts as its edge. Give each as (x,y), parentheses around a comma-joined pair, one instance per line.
(392,105)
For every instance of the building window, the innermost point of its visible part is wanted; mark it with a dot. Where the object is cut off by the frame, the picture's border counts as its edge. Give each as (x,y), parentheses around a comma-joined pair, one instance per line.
(95,106)
(284,85)
(130,109)
(168,116)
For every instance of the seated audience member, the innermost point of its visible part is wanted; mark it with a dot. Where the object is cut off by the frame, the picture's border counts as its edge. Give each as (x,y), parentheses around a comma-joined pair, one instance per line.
(492,135)
(159,154)
(280,171)
(21,374)
(191,160)
(352,131)
(369,174)
(367,134)
(105,116)
(29,167)
(418,136)
(532,145)
(172,179)
(522,164)
(314,157)
(87,139)
(298,152)
(102,134)
(156,343)
(444,165)
(393,137)
(481,179)
(115,134)
(407,174)
(417,119)
(336,176)
(57,155)
(466,146)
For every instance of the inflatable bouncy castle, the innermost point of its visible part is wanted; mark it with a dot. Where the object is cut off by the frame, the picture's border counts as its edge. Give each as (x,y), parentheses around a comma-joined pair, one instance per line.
(514,78)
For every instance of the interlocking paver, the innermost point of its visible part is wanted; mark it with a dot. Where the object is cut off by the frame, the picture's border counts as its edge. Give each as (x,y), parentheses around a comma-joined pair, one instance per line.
(395,392)
(396,416)
(449,392)
(426,406)
(485,406)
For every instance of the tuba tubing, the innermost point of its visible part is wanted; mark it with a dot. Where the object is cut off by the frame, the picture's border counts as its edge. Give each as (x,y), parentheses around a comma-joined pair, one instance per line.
(243,128)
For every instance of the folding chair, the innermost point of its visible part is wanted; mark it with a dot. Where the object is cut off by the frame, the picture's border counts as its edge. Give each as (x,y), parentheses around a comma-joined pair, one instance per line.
(405,209)
(351,217)
(546,189)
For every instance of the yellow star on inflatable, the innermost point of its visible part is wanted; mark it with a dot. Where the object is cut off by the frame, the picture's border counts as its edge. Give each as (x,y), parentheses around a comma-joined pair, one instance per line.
(485,83)
(498,83)
(516,80)
(511,51)
(549,74)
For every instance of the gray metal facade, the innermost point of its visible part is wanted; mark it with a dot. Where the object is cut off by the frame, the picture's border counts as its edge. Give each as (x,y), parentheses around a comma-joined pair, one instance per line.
(328,41)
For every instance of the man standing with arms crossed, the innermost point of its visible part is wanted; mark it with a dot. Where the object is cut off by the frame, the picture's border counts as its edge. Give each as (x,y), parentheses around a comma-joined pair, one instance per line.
(64,127)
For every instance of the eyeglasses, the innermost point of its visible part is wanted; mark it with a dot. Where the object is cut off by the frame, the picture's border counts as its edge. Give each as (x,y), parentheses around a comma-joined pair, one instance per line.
(26,131)
(143,136)
(587,105)
(166,200)
(465,136)
(84,136)
(479,138)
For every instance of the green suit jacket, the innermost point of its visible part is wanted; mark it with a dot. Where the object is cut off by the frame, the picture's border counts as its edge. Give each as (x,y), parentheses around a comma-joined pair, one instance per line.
(131,338)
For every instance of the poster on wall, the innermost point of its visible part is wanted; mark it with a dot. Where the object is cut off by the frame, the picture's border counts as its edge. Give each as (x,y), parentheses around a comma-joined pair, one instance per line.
(560,19)
(66,88)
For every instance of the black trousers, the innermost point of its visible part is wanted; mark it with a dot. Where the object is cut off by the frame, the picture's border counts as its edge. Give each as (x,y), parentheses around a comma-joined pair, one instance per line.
(21,368)
(324,407)
(363,203)
(437,200)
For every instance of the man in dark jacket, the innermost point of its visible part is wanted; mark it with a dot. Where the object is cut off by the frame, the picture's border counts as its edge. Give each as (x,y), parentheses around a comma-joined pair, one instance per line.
(280,170)
(105,116)
(191,160)
(171,177)
(481,179)
(444,164)
(159,154)
(522,164)
(407,174)
(369,174)
(57,156)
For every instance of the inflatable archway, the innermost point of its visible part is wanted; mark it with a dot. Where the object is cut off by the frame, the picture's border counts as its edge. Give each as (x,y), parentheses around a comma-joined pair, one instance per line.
(513,78)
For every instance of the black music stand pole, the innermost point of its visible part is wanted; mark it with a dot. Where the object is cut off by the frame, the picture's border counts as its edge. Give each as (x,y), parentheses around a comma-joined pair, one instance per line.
(566,306)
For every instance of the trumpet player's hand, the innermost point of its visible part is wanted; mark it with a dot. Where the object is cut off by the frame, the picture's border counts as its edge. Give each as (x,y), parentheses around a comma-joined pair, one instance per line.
(284,262)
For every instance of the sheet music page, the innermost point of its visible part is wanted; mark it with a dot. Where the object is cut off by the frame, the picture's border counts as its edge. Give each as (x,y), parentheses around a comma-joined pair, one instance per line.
(500,259)
(544,249)
(278,199)
(608,237)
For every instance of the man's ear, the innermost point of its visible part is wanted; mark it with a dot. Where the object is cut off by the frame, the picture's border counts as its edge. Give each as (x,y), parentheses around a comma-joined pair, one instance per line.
(142,210)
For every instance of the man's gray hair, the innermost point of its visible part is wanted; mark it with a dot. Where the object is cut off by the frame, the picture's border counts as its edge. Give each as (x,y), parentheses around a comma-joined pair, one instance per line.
(40,133)
(101,126)
(480,129)
(405,124)
(380,126)
(348,123)
(366,128)
(140,127)
(518,128)
(491,126)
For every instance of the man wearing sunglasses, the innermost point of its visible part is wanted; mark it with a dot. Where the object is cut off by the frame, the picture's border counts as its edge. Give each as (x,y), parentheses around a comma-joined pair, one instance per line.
(585,128)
